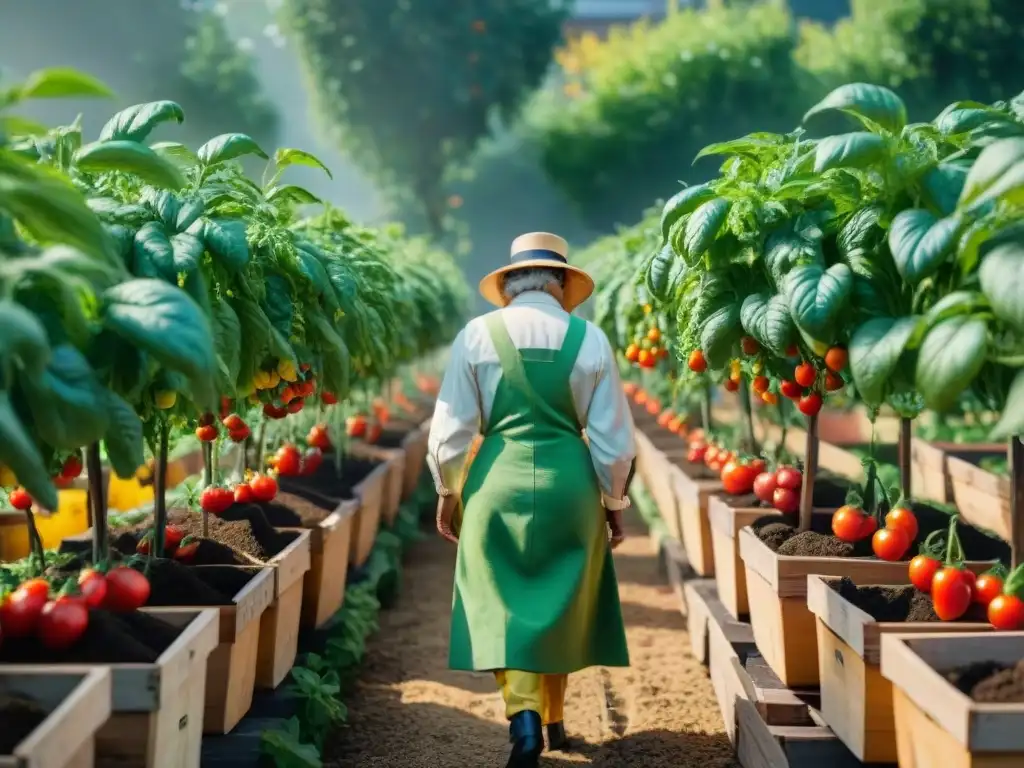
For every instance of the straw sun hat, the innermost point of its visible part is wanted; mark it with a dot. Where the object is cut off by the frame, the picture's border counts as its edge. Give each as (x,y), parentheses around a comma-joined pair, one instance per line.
(540,249)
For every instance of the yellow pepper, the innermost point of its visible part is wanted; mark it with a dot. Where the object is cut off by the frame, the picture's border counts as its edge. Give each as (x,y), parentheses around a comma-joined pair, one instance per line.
(275,379)
(7,478)
(165,399)
(286,370)
(261,380)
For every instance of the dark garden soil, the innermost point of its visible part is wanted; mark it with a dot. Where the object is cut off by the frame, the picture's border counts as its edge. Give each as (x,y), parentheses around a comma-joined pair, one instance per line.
(290,511)
(897,603)
(20,716)
(392,437)
(696,471)
(111,638)
(327,485)
(783,538)
(990,682)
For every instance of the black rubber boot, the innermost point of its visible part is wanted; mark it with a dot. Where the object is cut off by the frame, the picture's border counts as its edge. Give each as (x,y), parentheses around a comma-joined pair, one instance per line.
(527,740)
(556,736)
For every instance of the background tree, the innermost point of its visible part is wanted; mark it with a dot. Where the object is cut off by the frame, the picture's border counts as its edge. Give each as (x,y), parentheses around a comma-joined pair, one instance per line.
(409,87)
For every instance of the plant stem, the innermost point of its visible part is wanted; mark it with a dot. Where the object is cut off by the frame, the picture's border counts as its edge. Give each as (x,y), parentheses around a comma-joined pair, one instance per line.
(261,439)
(705,409)
(1016,501)
(160,493)
(749,439)
(35,541)
(207,482)
(810,470)
(783,430)
(906,438)
(97,505)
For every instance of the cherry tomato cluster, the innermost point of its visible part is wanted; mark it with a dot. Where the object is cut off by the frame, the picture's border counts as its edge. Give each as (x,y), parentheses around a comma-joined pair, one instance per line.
(258,488)
(59,620)
(289,461)
(216,499)
(850,523)
(780,488)
(177,543)
(237,429)
(70,469)
(668,419)
(647,347)
(737,472)
(284,390)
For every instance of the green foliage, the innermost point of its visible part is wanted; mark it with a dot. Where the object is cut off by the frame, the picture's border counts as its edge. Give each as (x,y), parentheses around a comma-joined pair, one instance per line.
(408,88)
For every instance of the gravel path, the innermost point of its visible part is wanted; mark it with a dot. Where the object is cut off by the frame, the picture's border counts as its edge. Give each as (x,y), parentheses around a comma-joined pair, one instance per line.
(410,711)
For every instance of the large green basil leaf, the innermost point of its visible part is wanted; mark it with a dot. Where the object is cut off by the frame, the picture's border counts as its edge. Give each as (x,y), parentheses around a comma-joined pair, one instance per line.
(59,83)
(1011,422)
(719,334)
(278,304)
(225,239)
(188,214)
(165,205)
(920,243)
(123,438)
(187,251)
(135,123)
(1002,281)
(123,239)
(941,186)
(659,272)
(286,156)
(875,351)
(227,337)
(865,102)
(682,202)
(817,297)
(255,329)
(951,355)
(228,146)
(152,254)
(20,454)
(23,339)
(337,364)
(703,226)
(964,119)
(129,157)
(121,365)
(165,322)
(849,150)
(862,231)
(998,172)
(67,401)
(784,250)
(767,319)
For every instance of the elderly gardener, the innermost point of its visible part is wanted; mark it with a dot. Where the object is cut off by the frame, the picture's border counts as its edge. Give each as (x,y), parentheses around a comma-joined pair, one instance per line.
(537,510)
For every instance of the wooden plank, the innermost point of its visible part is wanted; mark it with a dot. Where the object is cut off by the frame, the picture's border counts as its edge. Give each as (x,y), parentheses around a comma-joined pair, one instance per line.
(759,745)
(707,615)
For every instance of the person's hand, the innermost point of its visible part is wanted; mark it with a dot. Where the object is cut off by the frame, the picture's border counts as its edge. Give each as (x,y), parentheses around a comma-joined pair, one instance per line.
(615,533)
(445,513)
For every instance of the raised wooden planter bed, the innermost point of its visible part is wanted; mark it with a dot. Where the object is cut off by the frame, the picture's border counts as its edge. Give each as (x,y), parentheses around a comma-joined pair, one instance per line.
(937,725)
(929,463)
(323,589)
(982,497)
(856,700)
(415,446)
(730,575)
(279,624)
(692,498)
(394,459)
(77,703)
(370,493)
(784,627)
(231,668)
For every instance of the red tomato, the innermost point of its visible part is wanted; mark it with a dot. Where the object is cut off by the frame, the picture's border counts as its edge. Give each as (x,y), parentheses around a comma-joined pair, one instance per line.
(288,460)
(356,426)
(738,478)
(870,526)
(848,524)
(786,500)
(319,437)
(93,586)
(805,375)
(749,345)
(696,362)
(653,407)
(696,453)
(987,588)
(296,405)
(240,435)
(243,494)
(833,382)
(264,487)
(328,398)
(835,359)
(72,467)
(951,593)
(922,572)
(632,353)
(145,544)
(61,623)
(207,433)
(187,550)
(173,535)
(374,431)
(20,499)
(810,404)
(731,385)
(127,590)
(789,477)
(710,454)
(890,544)
(1006,613)
(311,461)
(213,500)
(233,422)
(901,517)
(760,384)
(273,412)
(19,611)
(764,486)
(790,389)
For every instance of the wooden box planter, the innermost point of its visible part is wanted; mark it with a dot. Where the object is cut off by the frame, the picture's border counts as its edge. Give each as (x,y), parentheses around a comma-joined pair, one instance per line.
(279,624)
(692,498)
(856,700)
(936,724)
(394,458)
(982,497)
(415,446)
(370,493)
(929,463)
(784,627)
(730,575)
(323,589)
(78,704)
(231,668)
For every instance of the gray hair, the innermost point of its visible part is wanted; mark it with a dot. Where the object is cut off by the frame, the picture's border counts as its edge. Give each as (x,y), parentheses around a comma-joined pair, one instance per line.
(530,279)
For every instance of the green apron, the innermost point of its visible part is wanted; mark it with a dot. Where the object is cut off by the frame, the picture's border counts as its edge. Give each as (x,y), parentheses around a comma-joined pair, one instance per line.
(535,586)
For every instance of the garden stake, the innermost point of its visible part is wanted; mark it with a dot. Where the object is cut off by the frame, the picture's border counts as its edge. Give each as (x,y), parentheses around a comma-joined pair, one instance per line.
(160,493)
(705,409)
(1016,501)
(261,439)
(97,504)
(906,436)
(207,482)
(810,470)
(749,440)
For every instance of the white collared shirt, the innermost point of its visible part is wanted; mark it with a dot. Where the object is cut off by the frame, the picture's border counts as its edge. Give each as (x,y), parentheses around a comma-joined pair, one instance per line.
(535,320)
